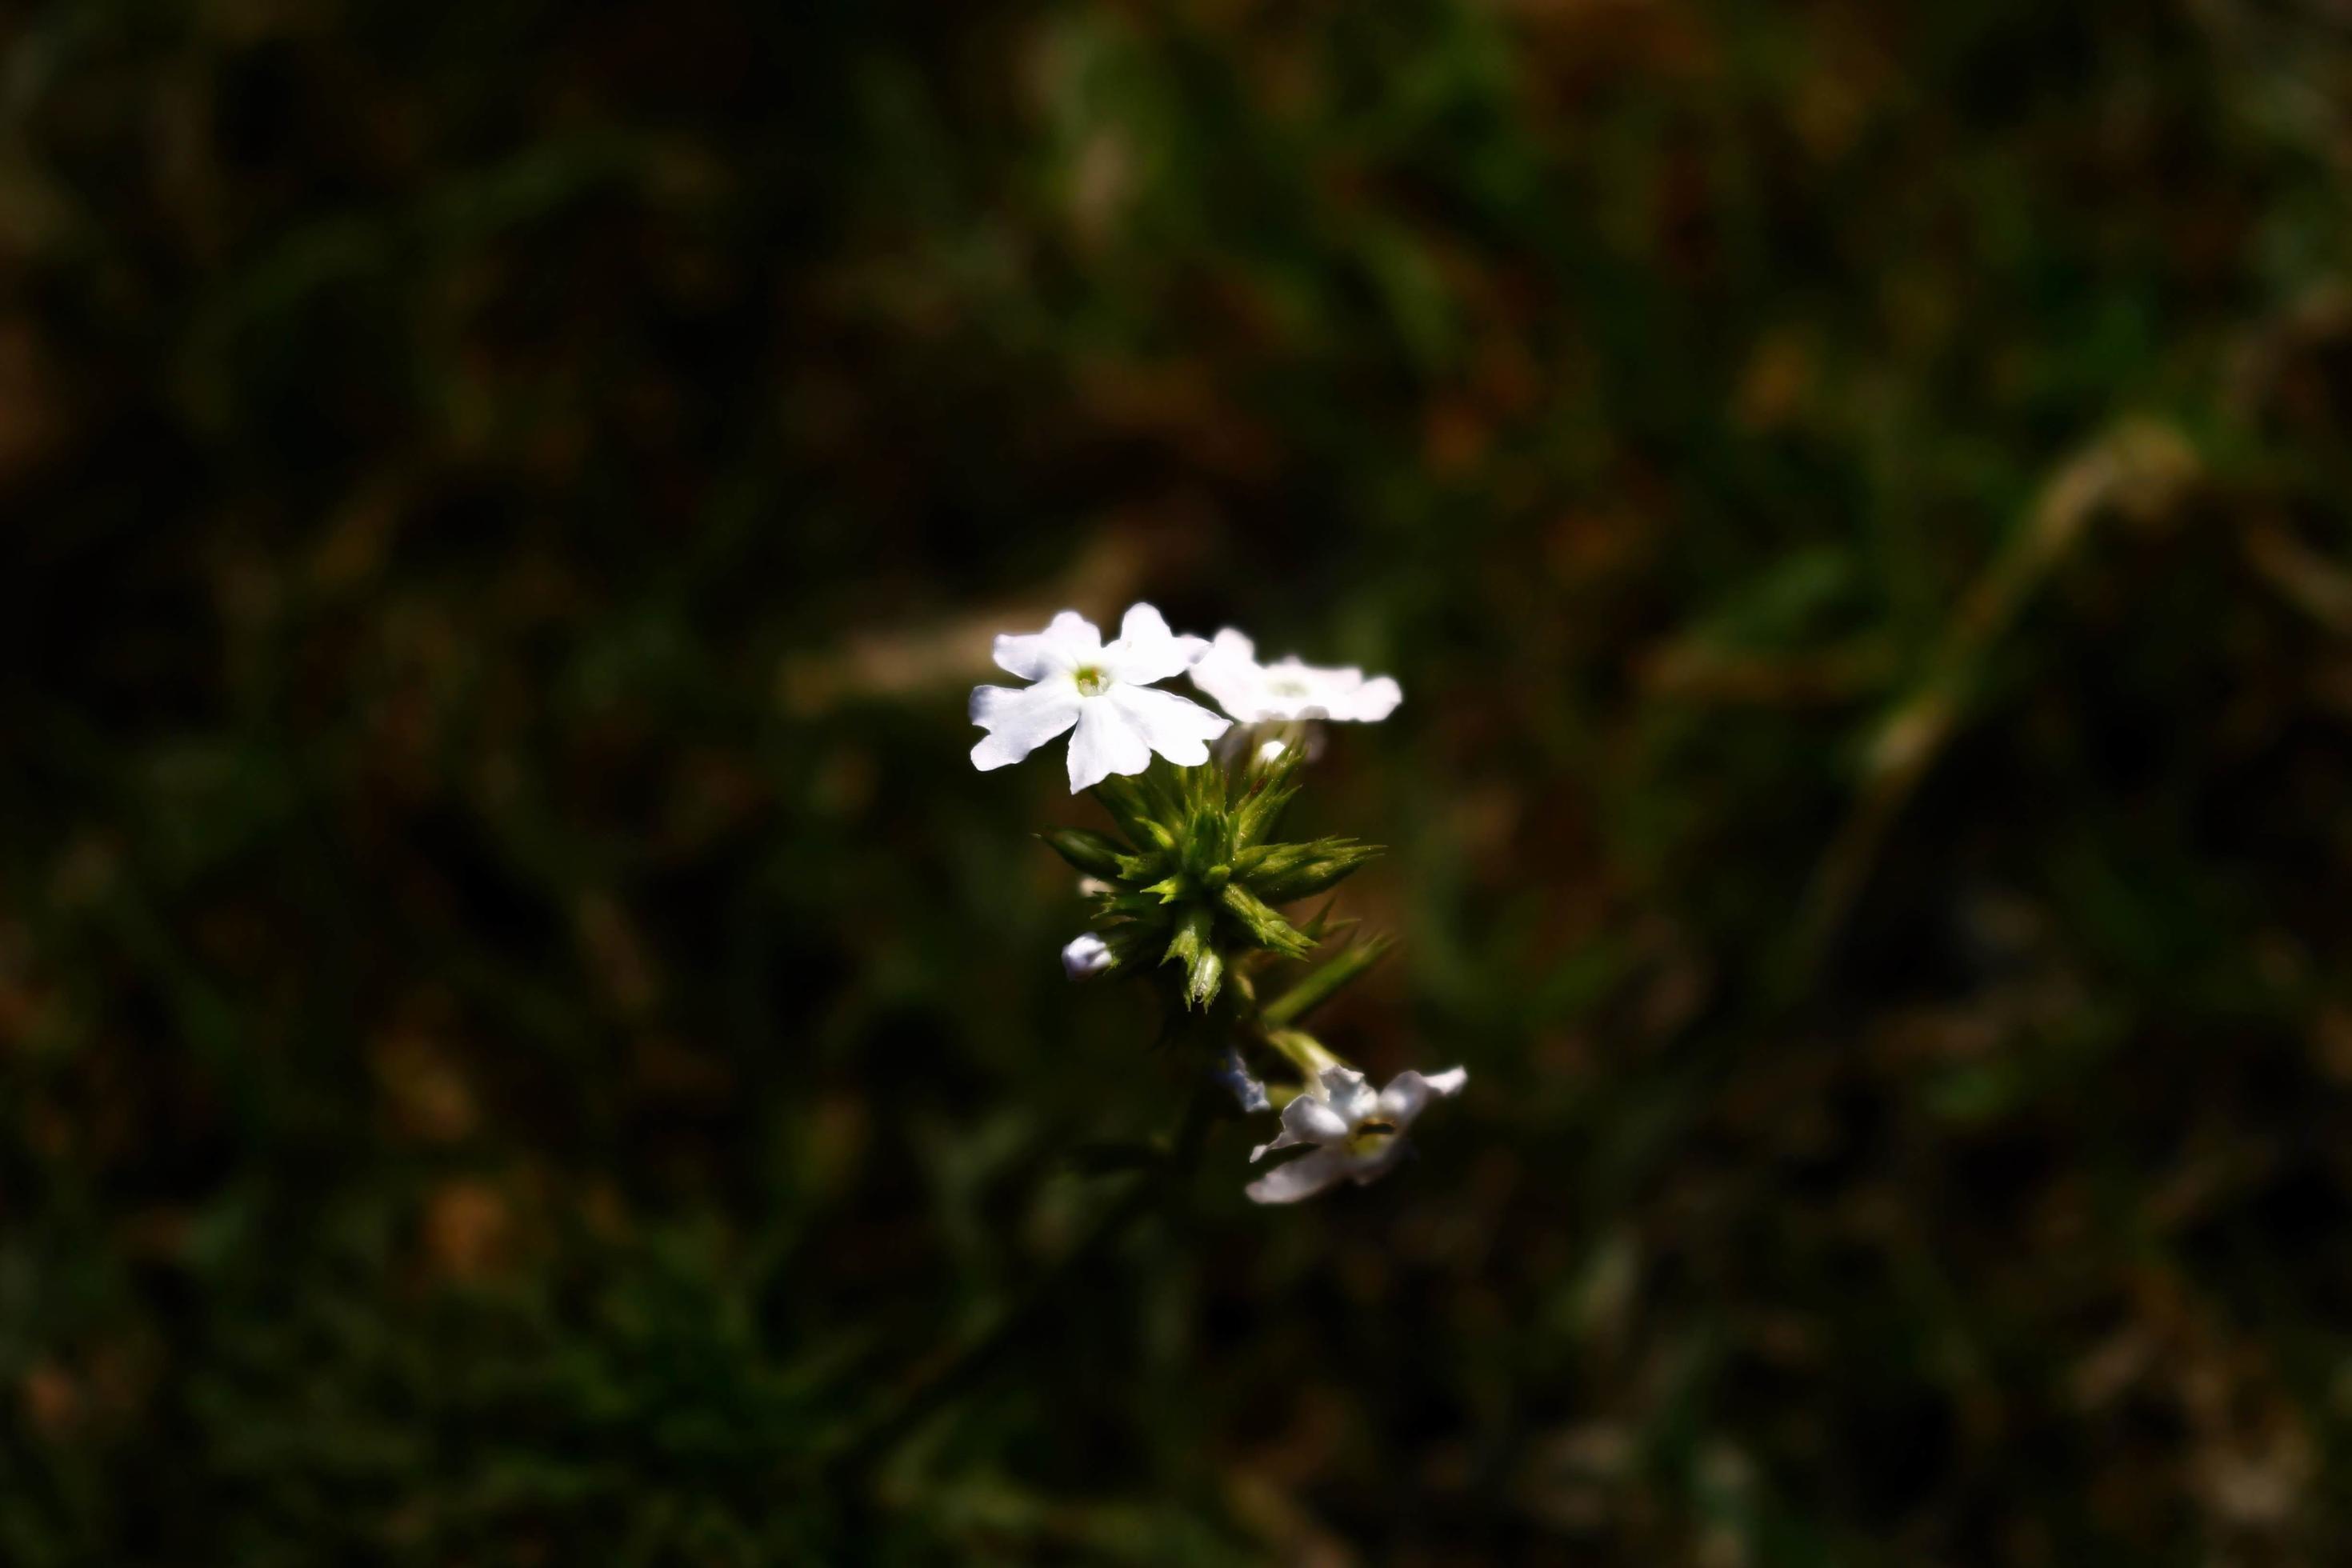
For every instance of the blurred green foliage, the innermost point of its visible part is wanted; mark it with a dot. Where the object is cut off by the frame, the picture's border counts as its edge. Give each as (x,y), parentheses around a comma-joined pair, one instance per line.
(520,1034)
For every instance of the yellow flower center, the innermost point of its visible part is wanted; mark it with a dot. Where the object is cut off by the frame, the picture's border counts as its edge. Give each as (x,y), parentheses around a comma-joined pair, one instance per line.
(1092,680)
(1371,1136)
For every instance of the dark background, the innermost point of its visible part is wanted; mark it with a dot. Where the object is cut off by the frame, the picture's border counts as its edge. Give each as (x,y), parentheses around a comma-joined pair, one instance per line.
(521,1034)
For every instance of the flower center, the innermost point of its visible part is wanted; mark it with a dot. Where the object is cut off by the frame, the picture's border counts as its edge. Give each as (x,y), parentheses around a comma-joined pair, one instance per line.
(1288,687)
(1371,1136)
(1092,680)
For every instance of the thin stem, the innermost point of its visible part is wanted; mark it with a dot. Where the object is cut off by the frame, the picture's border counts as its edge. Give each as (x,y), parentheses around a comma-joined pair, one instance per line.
(975,1360)
(1303,1051)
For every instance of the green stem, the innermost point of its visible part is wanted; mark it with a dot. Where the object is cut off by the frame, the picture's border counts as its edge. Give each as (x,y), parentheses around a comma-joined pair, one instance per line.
(969,1365)
(1303,1051)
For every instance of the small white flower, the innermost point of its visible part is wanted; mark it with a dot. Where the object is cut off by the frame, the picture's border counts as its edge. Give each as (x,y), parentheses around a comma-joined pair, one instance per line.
(1256,693)
(1357,1134)
(1105,690)
(1085,957)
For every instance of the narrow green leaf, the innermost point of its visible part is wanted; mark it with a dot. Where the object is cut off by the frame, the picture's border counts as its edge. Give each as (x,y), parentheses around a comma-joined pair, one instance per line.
(1326,981)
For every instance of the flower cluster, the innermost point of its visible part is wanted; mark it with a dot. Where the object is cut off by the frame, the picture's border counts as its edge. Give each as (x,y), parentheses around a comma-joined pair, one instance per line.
(1189,892)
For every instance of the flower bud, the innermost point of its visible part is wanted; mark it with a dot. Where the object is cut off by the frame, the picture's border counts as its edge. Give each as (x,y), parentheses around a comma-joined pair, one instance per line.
(1087,956)
(1233,1075)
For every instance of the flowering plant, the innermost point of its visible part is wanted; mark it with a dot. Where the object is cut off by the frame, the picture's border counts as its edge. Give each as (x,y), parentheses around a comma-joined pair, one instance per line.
(1189,893)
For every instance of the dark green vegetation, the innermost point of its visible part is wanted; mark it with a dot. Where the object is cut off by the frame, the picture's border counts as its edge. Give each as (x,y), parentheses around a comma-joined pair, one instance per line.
(522,1038)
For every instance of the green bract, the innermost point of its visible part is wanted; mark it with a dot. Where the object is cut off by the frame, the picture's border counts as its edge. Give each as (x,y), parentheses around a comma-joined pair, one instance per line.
(1193,878)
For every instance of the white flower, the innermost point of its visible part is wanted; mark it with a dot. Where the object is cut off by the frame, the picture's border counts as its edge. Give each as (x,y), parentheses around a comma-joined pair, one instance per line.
(1254,694)
(1357,1134)
(1105,690)
(1085,957)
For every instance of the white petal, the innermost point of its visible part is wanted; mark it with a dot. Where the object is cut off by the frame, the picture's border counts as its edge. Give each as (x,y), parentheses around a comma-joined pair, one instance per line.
(1105,742)
(1255,692)
(1282,1139)
(1364,1173)
(1143,623)
(1302,1178)
(1068,641)
(1344,1089)
(1178,728)
(1294,690)
(1228,672)
(1409,1092)
(1019,720)
(1375,700)
(1306,1120)
(1147,650)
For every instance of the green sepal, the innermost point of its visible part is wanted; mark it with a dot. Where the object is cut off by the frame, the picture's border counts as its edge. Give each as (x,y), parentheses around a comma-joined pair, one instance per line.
(1163,790)
(1134,906)
(1193,946)
(1320,925)
(1208,972)
(1191,939)
(1204,790)
(1127,806)
(1265,928)
(1205,842)
(1324,982)
(1270,789)
(1131,945)
(1280,873)
(1090,853)
(1256,817)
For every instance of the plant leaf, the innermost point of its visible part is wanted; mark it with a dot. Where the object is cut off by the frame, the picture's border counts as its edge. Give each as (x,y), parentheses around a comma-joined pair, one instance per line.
(1326,981)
